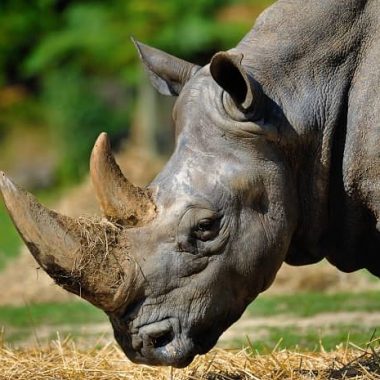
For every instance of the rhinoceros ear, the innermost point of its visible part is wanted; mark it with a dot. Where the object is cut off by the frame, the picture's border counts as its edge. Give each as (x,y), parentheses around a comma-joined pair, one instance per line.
(228,72)
(167,73)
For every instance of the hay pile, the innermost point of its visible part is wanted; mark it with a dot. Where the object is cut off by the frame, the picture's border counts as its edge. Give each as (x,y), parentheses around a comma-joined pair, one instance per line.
(63,360)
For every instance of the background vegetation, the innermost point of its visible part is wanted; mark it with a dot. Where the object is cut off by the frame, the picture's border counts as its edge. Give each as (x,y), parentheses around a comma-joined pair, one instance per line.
(69,69)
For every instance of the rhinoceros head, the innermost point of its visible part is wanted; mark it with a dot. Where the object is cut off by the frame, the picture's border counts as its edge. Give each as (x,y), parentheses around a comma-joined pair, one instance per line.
(175,264)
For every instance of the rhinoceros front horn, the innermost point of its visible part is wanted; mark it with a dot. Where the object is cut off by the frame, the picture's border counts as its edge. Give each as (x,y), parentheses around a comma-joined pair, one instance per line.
(120,200)
(83,256)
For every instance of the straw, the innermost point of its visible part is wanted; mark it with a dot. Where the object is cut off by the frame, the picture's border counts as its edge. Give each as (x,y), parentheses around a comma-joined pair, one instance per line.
(62,359)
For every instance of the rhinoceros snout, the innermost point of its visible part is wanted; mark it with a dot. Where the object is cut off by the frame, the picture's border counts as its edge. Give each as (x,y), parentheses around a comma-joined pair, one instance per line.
(163,343)
(159,343)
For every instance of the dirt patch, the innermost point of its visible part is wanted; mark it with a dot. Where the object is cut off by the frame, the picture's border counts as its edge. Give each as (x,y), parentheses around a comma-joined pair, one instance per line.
(86,336)
(321,277)
(23,282)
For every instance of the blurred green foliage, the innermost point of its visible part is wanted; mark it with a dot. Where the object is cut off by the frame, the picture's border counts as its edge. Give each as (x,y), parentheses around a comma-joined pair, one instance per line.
(9,239)
(76,59)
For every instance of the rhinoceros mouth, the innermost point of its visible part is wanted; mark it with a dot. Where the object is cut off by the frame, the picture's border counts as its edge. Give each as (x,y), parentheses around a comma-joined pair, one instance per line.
(158,343)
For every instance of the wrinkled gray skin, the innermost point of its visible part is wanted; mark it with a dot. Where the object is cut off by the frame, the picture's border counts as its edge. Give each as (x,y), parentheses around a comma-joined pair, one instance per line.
(288,173)
(276,159)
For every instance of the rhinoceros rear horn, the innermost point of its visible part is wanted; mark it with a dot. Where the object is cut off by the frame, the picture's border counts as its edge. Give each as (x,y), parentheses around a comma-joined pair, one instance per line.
(120,200)
(80,255)
(228,71)
(167,73)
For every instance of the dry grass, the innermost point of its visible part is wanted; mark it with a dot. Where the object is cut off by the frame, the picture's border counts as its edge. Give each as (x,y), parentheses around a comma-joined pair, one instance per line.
(63,360)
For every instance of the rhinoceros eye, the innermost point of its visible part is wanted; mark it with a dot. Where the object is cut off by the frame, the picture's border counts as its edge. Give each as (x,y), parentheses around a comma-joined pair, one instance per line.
(205,225)
(206,229)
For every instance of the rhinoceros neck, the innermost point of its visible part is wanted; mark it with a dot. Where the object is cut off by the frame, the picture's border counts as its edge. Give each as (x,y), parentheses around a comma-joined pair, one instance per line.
(305,54)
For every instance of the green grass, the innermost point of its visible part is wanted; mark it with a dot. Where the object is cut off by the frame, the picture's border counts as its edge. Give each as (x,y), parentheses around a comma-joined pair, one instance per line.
(50,314)
(307,304)
(9,239)
(328,335)
(32,336)
(21,323)
(312,339)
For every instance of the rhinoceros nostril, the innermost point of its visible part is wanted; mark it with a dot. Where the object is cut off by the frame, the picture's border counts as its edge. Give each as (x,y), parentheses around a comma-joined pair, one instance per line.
(163,339)
(157,334)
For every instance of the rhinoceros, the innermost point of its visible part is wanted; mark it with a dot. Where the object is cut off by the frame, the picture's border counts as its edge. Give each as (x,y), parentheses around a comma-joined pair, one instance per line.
(276,160)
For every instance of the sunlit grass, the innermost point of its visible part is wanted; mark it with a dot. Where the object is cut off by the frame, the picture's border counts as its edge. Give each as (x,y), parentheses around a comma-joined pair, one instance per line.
(307,304)
(50,314)
(329,337)
(308,337)
(21,323)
